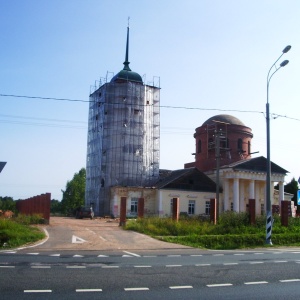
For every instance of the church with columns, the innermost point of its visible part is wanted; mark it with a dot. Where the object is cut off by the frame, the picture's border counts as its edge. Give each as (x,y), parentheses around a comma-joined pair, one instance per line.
(223,153)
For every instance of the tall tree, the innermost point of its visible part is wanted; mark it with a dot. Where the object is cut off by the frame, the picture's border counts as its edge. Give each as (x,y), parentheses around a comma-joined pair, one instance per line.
(73,195)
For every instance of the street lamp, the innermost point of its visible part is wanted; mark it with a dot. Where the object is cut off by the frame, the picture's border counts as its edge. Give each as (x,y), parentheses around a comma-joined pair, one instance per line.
(269,221)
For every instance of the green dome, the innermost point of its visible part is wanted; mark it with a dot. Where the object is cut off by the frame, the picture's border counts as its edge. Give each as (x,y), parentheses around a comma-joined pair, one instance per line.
(127,75)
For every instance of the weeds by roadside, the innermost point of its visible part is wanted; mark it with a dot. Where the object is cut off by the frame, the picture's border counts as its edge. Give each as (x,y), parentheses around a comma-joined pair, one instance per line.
(233,231)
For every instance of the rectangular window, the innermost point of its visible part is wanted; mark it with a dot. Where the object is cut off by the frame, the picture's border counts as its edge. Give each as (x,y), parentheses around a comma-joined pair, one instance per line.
(207,207)
(231,206)
(134,205)
(262,209)
(191,210)
(171,206)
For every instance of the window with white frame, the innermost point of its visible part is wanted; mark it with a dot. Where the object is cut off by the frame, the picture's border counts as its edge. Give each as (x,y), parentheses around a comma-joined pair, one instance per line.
(134,205)
(207,207)
(191,210)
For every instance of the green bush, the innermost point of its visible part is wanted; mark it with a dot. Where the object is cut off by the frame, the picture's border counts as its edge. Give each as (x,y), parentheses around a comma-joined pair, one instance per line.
(232,231)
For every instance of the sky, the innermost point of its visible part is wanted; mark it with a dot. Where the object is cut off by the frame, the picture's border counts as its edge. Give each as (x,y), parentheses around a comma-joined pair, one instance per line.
(211,56)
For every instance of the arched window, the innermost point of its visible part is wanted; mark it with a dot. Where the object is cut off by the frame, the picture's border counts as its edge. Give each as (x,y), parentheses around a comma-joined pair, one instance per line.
(240,144)
(249,147)
(199,149)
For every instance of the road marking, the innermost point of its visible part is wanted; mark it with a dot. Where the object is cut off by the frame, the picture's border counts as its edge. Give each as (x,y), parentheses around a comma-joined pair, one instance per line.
(218,254)
(102,255)
(10,252)
(256,282)
(219,285)
(133,254)
(176,287)
(202,265)
(280,261)
(78,255)
(230,264)
(290,280)
(110,267)
(256,262)
(239,254)
(37,291)
(295,252)
(32,253)
(258,253)
(7,267)
(77,240)
(277,252)
(40,267)
(142,266)
(102,238)
(75,267)
(136,289)
(172,266)
(196,255)
(174,255)
(150,256)
(55,254)
(88,290)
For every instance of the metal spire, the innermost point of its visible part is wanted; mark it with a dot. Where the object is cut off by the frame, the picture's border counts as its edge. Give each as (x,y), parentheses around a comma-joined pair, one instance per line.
(126,62)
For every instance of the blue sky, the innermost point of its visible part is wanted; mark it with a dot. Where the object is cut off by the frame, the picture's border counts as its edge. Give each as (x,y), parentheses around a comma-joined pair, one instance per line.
(212,57)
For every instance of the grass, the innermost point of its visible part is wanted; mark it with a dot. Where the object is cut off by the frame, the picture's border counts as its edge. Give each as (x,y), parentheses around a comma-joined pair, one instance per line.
(232,231)
(19,231)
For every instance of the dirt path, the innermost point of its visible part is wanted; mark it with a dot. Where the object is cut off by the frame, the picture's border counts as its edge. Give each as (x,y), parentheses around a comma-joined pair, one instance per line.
(98,234)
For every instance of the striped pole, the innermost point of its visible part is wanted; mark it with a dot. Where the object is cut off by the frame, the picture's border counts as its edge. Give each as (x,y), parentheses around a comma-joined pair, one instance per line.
(269,228)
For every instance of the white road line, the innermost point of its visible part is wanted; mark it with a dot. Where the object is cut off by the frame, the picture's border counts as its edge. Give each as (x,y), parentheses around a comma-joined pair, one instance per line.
(136,289)
(230,264)
(76,267)
(277,252)
(10,252)
(172,266)
(258,253)
(142,266)
(239,254)
(133,254)
(174,255)
(256,262)
(37,291)
(88,290)
(219,285)
(255,282)
(77,255)
(196,255)
(180,287)
(290,280)
(102,238)
(218,254)
(150,256)
(40,267)
(295,252)
(202,265)
(280,261)
(32,253)
(8,267)
(102,255)
(110,267)
(57,254)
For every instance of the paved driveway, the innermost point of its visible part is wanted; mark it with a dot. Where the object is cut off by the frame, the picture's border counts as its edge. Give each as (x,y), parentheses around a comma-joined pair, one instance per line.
(98,234)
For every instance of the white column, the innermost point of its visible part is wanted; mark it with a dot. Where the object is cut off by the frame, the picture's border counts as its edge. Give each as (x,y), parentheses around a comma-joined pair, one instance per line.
(251,189)
(257,197)
(242,196)
(226,194)
(281,192)
(236,195)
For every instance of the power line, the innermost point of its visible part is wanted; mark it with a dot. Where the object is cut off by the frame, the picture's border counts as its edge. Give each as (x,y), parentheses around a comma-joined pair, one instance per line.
(161,106)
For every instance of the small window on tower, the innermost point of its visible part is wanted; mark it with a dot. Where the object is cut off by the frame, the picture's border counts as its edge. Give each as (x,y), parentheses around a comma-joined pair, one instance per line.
(240,144)
(199,150)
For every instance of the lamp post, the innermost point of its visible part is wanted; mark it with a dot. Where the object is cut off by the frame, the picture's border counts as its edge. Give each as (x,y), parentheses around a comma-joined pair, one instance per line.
(269,221)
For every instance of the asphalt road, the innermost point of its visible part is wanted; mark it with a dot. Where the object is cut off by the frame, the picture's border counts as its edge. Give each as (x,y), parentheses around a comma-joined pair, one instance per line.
(57,269)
